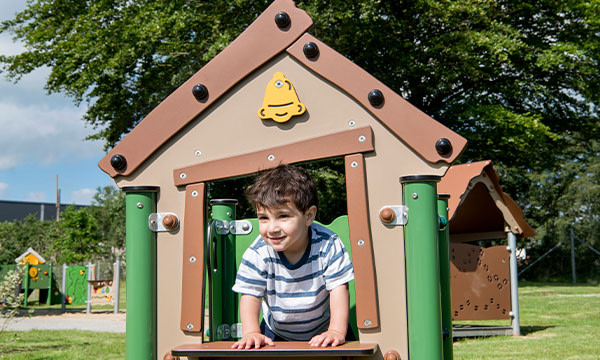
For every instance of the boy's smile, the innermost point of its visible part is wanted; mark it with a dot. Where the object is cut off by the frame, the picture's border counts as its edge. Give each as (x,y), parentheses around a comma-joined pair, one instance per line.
(285,228)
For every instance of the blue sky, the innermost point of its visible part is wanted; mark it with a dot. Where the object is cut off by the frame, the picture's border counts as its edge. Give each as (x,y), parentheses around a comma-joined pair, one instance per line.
(42,136)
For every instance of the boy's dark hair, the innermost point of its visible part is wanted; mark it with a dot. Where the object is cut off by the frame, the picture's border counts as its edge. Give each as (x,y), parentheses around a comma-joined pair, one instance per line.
(275,187)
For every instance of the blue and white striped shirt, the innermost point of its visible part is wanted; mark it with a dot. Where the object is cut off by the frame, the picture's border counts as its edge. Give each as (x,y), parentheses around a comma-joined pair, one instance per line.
(295,297)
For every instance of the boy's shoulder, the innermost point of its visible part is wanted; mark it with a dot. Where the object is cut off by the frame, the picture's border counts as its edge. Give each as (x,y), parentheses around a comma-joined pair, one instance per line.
(321,233)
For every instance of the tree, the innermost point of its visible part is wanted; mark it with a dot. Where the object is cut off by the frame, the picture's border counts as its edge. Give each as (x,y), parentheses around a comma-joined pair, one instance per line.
(80,240)
(514,77)
(108,209)
(17,236)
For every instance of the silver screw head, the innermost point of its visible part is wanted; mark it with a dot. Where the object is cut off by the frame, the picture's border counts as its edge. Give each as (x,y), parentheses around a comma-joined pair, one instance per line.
(197,152)
(362,138)
(415,196)
(194,193)
(271,157)
(228,214)
(367,323)
(245,227)
(182,175)
(361,242)
(354,164)
(351,123)
(192,259)
(140,205)
(190,326)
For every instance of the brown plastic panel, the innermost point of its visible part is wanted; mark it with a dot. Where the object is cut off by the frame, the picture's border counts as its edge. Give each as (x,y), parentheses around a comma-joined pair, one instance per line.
(367,314)
(222,349)
(327,146)
(261,41)
(415,128)
(192,290)
(480,279)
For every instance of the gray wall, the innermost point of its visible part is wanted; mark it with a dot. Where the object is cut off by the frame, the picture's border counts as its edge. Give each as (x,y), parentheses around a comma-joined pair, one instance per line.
(18,210)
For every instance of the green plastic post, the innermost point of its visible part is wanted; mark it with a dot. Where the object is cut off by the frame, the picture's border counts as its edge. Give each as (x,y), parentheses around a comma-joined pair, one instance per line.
(444,251)
(140,244)
(224,301)
(26,286)
(422,268)
(49,298)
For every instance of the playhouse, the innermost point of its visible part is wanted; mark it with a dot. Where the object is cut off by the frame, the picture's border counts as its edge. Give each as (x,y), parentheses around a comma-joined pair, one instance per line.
(484,279)
(276,95)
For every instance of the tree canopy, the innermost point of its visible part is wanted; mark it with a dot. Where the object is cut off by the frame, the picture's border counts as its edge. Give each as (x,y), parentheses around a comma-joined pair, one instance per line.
(515,78)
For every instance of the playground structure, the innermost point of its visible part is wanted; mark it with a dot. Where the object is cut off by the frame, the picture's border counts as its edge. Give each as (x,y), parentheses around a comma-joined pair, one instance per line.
(484,279)
(276,95)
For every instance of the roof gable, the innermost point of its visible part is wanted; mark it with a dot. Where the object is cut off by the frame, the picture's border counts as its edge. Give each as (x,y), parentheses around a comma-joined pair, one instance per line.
(27,254)
(241,57)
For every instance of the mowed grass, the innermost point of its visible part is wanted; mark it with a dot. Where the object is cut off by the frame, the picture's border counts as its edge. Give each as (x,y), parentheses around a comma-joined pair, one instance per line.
(558,321)
(61,345)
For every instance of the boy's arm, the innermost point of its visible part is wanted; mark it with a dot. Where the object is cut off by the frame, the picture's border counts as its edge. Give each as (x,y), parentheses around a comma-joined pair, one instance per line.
(339,308)
(249,312)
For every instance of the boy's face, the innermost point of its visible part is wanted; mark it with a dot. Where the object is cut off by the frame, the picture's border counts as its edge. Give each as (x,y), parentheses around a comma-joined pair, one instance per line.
(285,228)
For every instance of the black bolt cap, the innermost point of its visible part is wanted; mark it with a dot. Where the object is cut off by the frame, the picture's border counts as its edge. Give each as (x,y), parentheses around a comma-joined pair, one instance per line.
(310,50)
(282,19)
(200,92)
(443,146)
(375,97)
(118,162)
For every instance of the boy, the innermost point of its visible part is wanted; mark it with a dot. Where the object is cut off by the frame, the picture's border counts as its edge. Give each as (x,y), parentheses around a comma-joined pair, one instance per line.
(299,269)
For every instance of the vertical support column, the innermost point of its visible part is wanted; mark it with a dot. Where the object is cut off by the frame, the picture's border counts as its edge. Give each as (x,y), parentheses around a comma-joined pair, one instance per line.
(49,298)
(514,284)
(116,285)
(88,302)
(224,302)
(140,244)
(26,286)
(63,288)
(422,268)
(573,266)
(445,291)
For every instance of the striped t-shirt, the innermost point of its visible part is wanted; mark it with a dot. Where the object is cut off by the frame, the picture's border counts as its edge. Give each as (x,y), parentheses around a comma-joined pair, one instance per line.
(295,297)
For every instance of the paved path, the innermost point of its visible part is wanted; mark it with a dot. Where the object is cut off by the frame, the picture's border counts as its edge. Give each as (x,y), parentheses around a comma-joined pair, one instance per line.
(106,322)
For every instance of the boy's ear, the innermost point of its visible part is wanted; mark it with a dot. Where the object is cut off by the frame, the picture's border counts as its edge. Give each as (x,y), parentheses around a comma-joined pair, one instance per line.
(310,213)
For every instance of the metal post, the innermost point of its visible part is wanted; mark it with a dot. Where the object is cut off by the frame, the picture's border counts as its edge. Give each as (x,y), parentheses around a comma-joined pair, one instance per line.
(49,298)
(64,288)
(116,285)
(140,243)
(422,268)
(26,284)
(224,303)
(444,252)
(514,284)
(573,270)
(88,302)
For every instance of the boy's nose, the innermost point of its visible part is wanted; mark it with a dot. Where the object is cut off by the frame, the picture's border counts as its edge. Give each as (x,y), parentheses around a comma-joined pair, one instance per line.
(273,227)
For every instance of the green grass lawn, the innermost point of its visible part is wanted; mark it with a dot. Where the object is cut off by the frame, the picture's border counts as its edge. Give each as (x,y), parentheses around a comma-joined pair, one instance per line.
(557,322)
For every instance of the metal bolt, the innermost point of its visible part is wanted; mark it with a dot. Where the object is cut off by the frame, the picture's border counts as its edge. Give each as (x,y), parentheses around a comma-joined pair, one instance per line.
(511,314)
(228,214)
(153,222)
(190,326)
(415,196)
(354,164)
(194,193)
(362,138)
(245,227)
(351,123)
(361,242)
(197,152)
(367,323)
(271,157)
(508,249)
(192,259)
(182,175)
(140,205)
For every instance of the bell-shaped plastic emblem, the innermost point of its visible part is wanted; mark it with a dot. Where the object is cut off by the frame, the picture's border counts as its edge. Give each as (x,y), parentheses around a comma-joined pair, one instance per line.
(281,101)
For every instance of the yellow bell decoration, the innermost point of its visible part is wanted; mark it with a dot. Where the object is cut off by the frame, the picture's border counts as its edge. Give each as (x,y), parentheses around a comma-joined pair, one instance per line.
(281,101)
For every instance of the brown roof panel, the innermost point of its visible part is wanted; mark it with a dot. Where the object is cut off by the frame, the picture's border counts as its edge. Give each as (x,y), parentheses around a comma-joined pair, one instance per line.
(261,41)
(415,128)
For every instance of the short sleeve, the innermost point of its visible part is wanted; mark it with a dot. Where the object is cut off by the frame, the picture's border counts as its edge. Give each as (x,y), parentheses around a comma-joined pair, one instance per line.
(251,278)
(338,267)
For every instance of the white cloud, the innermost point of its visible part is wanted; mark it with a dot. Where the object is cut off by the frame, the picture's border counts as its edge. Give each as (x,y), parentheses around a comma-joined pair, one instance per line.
(83,196)
(3,187)
(37,196)
(43,134)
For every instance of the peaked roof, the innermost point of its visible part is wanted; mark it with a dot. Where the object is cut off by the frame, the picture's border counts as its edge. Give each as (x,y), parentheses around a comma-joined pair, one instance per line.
(32,252)
(477,202)
(260,42)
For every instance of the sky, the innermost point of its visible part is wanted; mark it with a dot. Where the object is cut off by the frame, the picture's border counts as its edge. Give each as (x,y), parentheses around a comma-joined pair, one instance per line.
(42,136)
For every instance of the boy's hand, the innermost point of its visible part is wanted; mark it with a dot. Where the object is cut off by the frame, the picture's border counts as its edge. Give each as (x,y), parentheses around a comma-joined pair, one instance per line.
(329,337)
(251,340)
